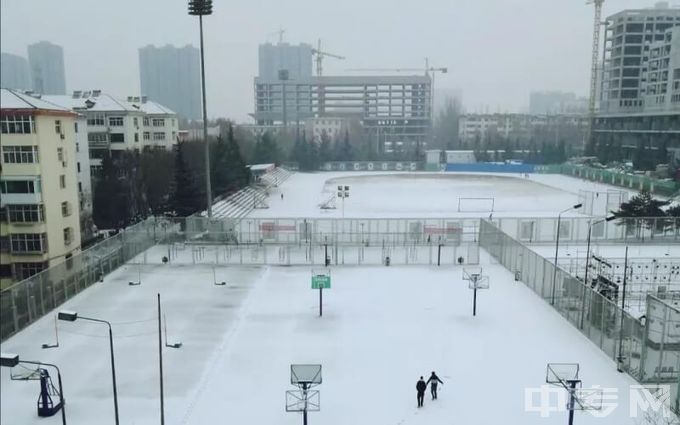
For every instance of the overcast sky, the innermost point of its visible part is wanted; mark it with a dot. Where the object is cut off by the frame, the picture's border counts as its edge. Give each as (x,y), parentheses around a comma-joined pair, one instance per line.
(497,51)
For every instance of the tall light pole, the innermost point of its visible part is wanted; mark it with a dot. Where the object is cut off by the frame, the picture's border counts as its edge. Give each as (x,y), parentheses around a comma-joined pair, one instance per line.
(585,277)
(619,358)
(11,360)
(200,8)
(557,248)
(72,316)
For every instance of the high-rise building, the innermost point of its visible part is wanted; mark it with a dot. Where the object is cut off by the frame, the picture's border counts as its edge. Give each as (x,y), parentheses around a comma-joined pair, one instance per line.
(14,72)
(39,214)
(171,76)
(296,60)
(629,39)
(639,106)
(46,61)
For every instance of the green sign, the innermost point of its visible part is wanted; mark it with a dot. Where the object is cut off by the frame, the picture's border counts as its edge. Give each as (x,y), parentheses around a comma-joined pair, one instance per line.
(321,281)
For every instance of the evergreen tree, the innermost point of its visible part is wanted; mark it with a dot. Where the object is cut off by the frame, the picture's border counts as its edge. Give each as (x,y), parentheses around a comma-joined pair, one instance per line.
(186,198)
(325,150)
(110,201)
(219,164)
(346,151)
(239,175)
(642,205)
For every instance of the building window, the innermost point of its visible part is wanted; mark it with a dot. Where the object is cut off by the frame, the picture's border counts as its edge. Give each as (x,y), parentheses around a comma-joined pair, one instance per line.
(174,135)
(145,121)
(57,126)
(135,121)
(158,122)
(159,136)
(68,235)
(77,147)
(146,135)
(19,186)
(65,209)
(20,154)
(95,119)
(28,242)
(60,154)
(32,213)
(115,121)
(117,138)
(136,137)
(78,165)
(26,270)
(80,185)
(16,124)
(75,126)
(62,181)
(96,137)
(5,270)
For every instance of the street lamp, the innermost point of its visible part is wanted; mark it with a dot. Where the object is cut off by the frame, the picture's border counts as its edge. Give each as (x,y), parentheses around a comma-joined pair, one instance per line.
(557,247)
(585,276)
(11,360)
(72,316)
(200,8)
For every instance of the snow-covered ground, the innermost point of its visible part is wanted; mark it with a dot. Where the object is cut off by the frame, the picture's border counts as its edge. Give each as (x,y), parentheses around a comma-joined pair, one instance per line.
(382,328)
(426,195)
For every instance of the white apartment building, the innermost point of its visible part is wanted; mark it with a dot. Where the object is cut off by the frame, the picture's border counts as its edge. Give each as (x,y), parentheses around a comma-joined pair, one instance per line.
(663,73)
(115,125)
(39,214)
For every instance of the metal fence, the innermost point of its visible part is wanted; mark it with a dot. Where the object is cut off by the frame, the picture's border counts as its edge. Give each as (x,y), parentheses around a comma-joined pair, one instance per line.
(575,229)
(648,350)
(26,301)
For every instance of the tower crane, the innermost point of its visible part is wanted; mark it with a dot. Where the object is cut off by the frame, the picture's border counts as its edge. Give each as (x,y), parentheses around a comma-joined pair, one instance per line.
(593,69)
(280,33)
(320,54)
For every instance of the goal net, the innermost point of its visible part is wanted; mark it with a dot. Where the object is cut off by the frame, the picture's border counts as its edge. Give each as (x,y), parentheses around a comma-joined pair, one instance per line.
(476,204)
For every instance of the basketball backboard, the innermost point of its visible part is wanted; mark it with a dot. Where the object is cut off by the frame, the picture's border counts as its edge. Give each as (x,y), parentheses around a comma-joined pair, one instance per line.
(296,401)
(23,373)
(475,278)
(588,399)
(305,374)
(561,373)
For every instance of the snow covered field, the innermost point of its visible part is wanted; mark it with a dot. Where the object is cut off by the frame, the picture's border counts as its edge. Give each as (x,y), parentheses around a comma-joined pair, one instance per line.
(427,195)
(382,328)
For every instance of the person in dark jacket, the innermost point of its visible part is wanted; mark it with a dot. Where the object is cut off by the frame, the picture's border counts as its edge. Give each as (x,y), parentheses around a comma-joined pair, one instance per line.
(433,381)
(421,386)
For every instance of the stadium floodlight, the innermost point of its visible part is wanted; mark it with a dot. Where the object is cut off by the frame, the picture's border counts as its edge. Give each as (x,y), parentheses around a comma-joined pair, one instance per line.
(557,248)
(585,276)
(72,316)
(202,8)
(12,360)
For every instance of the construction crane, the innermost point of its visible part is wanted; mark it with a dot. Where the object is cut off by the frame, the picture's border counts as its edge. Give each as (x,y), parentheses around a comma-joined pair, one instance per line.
(280,33)
(597,23)
(320,54)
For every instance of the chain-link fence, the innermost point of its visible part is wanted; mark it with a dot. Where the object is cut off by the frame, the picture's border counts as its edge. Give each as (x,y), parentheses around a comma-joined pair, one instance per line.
(646,349)
(26,301)
(575,229)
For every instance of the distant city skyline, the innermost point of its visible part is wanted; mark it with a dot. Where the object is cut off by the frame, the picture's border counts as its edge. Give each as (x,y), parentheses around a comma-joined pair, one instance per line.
(46,63)
(495,65)
(171,76)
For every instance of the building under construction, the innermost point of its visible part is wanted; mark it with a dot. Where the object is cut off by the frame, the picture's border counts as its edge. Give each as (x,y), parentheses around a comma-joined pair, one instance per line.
(393,112)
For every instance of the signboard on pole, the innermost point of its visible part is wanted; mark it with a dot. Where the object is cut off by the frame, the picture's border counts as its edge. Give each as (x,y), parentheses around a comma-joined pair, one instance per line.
(321,282)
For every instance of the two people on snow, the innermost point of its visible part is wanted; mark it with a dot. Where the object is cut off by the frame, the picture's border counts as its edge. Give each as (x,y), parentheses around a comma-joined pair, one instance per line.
(421,386)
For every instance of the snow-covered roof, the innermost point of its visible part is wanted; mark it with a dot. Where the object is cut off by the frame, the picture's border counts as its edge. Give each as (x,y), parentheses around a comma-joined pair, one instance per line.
(97,101)
(15,99)
(261,167)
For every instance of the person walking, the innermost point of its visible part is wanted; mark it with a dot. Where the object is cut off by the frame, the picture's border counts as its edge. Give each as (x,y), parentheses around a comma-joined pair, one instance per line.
(434,381)
(421,386)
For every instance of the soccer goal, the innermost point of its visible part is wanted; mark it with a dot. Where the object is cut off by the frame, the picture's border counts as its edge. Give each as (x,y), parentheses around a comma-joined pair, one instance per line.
(476,204)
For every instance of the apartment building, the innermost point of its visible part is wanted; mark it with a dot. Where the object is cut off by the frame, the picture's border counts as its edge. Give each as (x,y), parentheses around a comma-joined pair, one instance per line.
(114,125)
(39,214)
(47,68)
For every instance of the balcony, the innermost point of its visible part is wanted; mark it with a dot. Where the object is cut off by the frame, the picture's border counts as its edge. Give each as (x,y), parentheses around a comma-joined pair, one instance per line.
(21,198)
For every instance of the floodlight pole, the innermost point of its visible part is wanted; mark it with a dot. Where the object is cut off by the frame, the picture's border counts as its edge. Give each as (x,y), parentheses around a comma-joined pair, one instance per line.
(160,360)
(623,307)
(557,248)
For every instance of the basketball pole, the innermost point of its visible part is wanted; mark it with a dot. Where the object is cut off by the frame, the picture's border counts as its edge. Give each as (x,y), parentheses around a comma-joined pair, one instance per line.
(474,300)
(321,301)
(572,389)
(160,359)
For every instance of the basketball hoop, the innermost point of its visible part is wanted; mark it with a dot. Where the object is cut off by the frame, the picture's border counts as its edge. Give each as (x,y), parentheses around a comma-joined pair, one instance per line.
(566,375)
(476,280)
(304,400)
